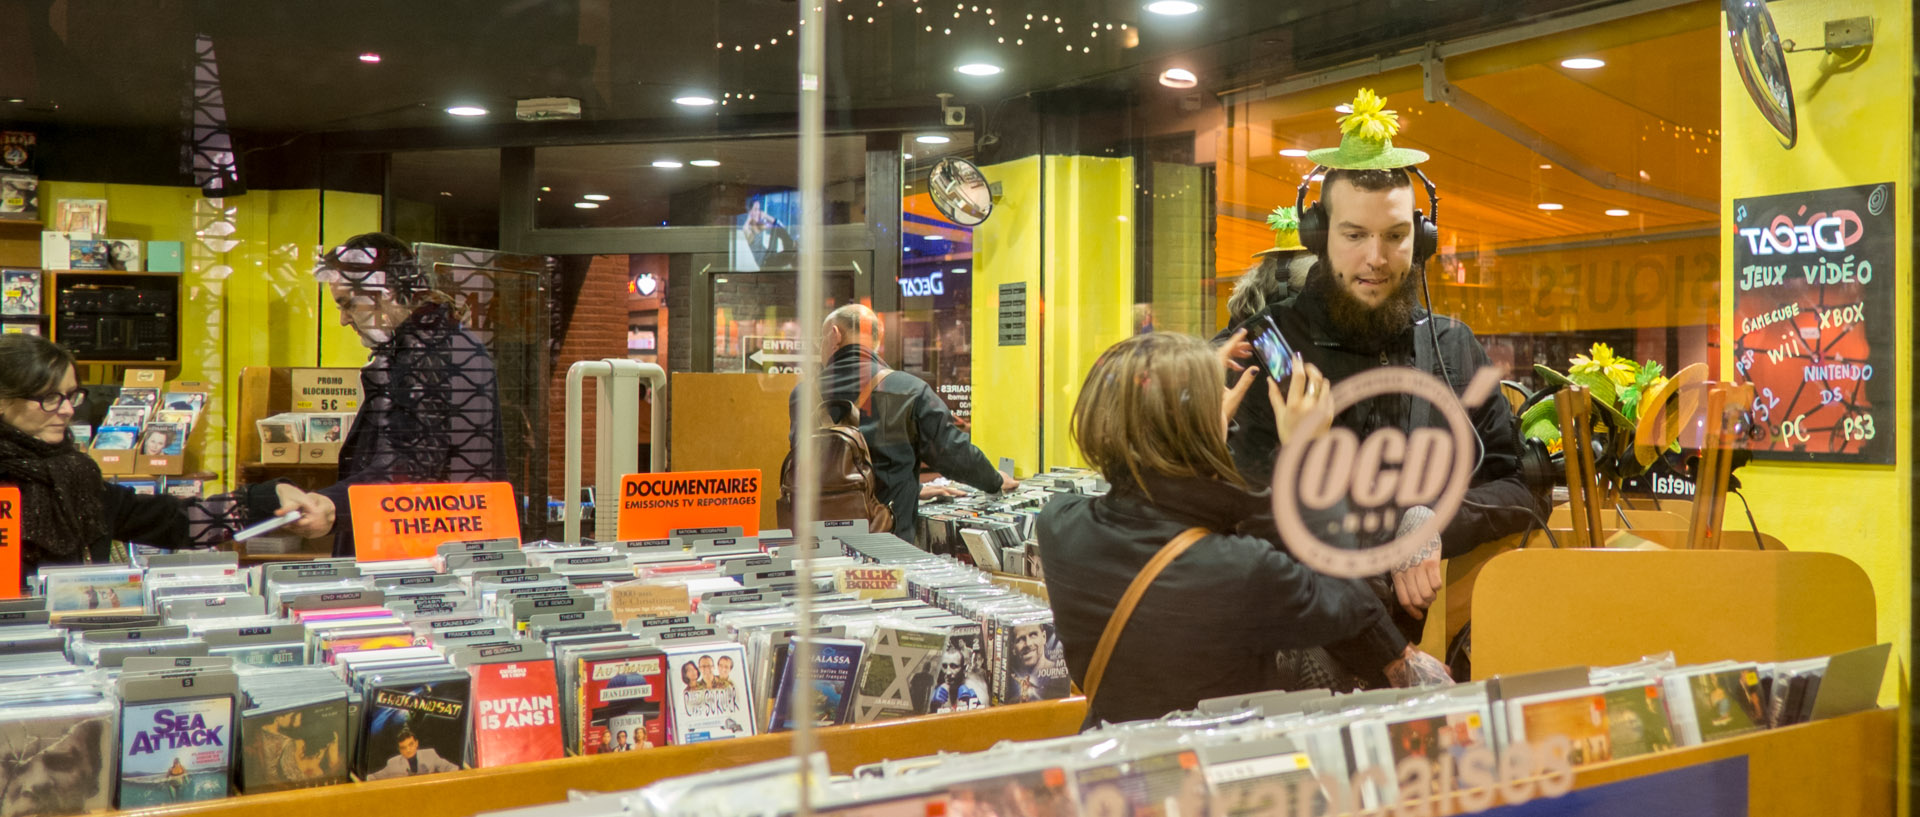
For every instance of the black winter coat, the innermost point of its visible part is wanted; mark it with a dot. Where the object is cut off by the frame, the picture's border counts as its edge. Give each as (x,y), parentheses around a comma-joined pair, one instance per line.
(1213,621)
(908,424)
(430,413)
(1497,483)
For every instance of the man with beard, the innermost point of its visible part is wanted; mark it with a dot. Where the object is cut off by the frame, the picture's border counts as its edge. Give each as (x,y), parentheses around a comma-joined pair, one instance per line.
(1358,311)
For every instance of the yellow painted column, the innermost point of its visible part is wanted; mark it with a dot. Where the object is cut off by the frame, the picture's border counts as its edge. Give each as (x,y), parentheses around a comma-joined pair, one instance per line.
(1854,128)
(1089,282)
(1006,379)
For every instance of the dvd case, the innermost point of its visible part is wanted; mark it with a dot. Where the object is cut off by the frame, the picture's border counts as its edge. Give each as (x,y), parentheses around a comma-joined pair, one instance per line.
(898,676)
(176,738)
(835,664)
(621,691)
(57,760)
(516,713)
(415,723)
(708,692)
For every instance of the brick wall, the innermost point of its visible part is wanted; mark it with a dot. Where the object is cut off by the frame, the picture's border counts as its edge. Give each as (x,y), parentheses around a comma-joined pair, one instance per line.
(598,329)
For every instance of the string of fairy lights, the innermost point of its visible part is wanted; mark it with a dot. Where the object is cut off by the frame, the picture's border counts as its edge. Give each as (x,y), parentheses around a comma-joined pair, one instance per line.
(1035,27)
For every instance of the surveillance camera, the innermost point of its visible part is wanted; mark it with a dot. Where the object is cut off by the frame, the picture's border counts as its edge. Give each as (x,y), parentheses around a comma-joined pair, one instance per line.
(955,116)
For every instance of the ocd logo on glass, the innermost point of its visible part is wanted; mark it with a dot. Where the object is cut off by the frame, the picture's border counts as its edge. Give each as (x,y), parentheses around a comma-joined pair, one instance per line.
(1330,487)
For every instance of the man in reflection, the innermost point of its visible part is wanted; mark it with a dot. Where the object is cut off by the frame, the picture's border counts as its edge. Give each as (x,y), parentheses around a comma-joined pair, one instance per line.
(1358,311)
(904,421)
(430,404)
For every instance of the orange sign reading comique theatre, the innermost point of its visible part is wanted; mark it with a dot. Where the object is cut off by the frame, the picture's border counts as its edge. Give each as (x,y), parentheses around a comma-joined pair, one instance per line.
(410,521)
(9,542)
(651,505)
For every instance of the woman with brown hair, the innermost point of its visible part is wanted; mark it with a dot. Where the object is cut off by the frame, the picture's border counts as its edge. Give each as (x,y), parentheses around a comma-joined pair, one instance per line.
(1152,418)
(70,513)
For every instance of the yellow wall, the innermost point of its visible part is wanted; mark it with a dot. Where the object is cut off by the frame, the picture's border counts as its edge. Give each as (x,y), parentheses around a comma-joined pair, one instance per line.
(1089,274)
(1856,128)
(1006,379)
(249,295)
(1083,210)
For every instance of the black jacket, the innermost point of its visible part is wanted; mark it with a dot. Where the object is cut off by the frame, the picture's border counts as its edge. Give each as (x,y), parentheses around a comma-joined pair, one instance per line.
(1213,621)
(1497,483)
(907,425)
(166,522)
(430,412)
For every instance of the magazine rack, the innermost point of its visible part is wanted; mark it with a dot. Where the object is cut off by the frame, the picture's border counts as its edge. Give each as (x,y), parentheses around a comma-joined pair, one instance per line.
(460,794)
(1537,609)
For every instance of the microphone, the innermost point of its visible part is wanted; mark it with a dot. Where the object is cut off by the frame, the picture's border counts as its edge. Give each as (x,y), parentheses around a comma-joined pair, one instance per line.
(1409,521)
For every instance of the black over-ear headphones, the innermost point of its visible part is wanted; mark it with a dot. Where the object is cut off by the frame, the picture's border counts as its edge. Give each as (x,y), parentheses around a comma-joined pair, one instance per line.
(1313,220)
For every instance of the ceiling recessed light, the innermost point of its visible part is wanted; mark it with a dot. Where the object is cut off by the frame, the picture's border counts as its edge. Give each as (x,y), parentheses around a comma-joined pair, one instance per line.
(1583,63)
(1294,152)
(666,163)
(906,155)
(1178,78)
(467,110)
(705,163)
(369,57)
(978,69)
(15,100)
(1173,8)
(596,197)
(1343,108)
(693,101)
(1547,205)
(586,205)
(546,189)
(1618,212)
(932,139)
(1546,167)
(446,192)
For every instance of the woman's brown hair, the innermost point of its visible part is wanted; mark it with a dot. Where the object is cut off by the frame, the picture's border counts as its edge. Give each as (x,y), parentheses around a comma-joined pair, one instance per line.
(1151,406)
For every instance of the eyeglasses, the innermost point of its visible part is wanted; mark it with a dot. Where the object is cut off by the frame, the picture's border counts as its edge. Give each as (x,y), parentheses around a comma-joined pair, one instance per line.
(50,403)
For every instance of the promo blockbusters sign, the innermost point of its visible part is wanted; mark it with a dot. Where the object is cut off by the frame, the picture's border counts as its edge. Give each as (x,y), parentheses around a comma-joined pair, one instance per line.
(411,521)
(1813,293)
(653,504)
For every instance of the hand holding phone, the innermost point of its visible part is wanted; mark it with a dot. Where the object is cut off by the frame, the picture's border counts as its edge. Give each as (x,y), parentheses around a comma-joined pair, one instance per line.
(1275,353)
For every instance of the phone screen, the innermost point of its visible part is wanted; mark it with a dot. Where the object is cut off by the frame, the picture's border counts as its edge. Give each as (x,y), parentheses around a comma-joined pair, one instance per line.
(1275,354)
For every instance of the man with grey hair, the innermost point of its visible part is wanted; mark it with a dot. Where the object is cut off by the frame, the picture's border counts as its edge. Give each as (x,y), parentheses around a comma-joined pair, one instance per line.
(904,421)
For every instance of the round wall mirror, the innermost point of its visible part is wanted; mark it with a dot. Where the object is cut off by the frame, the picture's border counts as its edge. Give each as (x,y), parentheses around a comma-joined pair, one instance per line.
(960,191)
(1762,64)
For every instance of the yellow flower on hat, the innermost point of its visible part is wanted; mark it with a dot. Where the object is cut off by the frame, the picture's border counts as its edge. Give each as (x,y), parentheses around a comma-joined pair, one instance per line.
(1368,121)
(1366,139)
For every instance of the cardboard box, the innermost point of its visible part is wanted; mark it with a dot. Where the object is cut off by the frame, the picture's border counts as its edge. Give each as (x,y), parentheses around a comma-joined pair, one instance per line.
(149,379)
(160,466)
(319,453)
(166,256)
(114,463)
(280,452)
(325,390)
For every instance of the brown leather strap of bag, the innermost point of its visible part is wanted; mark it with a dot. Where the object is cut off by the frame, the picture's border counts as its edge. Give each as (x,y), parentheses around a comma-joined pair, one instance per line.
(866,392)
(1118,622)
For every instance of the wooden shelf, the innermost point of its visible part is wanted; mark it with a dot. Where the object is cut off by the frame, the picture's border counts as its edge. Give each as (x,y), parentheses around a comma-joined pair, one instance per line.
(20,222)
(463,794)
(288,466)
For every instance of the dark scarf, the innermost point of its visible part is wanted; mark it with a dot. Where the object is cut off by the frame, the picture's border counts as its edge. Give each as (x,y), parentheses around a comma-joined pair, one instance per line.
(1218,506)
(63,514)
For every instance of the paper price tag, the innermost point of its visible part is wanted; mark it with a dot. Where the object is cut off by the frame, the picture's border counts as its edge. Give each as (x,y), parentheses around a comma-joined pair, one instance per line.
(411,521)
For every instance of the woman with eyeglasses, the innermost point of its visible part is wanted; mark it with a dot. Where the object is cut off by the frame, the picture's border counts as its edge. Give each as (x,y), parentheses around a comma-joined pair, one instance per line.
(69,513)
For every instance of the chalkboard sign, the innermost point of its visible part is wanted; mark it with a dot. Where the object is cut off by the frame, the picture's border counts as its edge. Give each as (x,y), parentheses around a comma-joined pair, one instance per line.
(1813,302)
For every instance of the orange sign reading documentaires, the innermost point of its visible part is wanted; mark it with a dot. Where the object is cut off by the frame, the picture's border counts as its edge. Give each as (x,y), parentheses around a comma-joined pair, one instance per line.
(410,521)
(653,504)
(10,543)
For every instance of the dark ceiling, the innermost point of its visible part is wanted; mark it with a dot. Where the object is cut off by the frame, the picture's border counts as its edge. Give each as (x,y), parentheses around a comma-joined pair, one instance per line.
(290,66)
